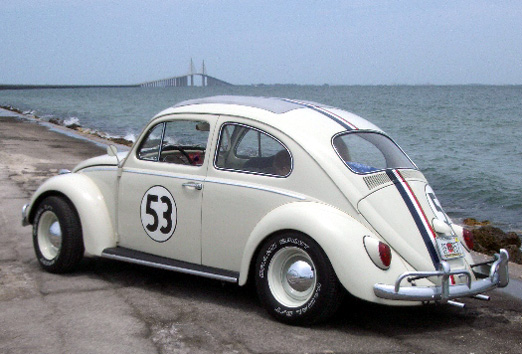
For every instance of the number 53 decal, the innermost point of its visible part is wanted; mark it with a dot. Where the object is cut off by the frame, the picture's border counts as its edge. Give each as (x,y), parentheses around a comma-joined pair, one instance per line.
(158,213)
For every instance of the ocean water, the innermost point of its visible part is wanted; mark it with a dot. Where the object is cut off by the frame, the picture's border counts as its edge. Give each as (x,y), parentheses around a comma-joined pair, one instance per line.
(467,140)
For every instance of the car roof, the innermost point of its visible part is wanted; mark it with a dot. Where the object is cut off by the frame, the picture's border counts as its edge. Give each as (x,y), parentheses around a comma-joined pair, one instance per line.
(272,104)
(281,113)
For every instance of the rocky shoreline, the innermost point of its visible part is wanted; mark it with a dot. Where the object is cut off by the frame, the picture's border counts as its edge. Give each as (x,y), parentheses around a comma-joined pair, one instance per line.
(72,125)
(488,239)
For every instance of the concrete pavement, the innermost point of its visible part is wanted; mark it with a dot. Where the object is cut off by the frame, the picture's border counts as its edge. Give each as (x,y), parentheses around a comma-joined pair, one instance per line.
(107,306)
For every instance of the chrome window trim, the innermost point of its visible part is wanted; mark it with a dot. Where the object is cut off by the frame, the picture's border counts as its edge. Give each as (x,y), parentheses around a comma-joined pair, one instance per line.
(250,172)
(145,139)
(346,132)
(163,131)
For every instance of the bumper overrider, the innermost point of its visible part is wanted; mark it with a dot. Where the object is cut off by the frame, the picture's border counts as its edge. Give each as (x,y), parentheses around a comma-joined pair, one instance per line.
(25,222)
(494,273)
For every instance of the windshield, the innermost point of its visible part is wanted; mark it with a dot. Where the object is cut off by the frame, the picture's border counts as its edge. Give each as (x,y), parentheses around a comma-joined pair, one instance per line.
(367,152)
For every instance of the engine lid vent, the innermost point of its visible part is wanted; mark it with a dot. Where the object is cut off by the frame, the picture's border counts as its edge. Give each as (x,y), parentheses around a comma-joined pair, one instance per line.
(375,181)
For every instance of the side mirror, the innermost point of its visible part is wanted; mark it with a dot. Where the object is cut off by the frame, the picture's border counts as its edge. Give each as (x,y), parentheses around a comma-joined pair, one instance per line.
(113,151)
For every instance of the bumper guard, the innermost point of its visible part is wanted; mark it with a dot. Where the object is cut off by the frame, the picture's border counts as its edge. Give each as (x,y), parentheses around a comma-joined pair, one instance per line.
(25,222)
(498,277)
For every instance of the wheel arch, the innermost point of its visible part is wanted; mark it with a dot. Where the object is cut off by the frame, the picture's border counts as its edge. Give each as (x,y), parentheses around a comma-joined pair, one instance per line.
(41,197)
(338,234)
(323,223)
(89,204)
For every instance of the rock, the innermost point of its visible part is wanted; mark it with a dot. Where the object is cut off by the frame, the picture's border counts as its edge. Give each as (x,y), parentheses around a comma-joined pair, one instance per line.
(490,240)
(475,222)
(515,254)
(74,126)
(55,121)
(121,141)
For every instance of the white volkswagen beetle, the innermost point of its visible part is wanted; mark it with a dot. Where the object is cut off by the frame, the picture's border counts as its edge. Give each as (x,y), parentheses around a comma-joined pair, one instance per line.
(303,199)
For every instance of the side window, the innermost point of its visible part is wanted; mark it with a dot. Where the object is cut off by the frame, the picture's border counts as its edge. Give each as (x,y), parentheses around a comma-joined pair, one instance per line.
(181,142)
(243,148)
(149,149)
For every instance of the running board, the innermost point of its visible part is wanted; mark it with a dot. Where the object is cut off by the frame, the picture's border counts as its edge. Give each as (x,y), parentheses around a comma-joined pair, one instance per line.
(137,257)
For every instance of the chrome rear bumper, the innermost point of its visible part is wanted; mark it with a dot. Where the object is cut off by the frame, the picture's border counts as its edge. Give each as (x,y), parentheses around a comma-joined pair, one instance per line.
(498,277)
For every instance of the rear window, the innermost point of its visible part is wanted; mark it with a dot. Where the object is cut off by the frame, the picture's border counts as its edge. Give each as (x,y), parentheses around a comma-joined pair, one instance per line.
(367,152)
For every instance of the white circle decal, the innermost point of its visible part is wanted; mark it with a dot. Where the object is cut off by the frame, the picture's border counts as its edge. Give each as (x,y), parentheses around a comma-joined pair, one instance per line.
(158,213)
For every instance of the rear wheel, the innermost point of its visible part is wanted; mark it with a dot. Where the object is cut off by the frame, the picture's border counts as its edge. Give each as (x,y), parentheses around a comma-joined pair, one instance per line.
(295,280)
(57,235)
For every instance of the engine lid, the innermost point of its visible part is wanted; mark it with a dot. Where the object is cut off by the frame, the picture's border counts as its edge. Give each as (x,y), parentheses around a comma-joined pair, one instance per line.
(402,214)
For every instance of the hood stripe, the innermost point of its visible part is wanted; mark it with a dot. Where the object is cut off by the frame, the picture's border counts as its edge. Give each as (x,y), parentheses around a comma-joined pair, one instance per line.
(335,117)
(425,229)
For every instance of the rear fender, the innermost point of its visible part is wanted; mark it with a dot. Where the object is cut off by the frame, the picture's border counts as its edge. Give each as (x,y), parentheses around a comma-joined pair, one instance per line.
(97,228)
(339,235)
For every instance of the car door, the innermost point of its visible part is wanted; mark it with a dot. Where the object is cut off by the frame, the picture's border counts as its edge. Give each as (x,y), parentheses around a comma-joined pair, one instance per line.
(250,176)
(161,189)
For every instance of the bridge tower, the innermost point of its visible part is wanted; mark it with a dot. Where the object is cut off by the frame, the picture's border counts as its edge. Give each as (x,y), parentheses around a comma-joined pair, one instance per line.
(192,72)
(204,81)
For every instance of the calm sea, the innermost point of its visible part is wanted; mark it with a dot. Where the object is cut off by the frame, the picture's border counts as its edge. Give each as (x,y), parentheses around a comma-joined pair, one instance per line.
(466,139)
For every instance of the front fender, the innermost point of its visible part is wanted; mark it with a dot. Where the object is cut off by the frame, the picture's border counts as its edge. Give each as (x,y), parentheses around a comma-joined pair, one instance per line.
(97,228)
(339,235)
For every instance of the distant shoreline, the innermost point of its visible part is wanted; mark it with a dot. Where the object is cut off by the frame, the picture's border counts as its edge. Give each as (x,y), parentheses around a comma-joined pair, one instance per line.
(31,87)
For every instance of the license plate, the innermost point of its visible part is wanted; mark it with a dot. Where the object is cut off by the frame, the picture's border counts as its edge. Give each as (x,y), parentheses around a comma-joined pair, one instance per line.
(449,248)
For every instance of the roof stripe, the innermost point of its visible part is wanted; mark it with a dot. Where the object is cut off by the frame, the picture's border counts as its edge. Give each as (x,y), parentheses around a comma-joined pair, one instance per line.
(337,118)
(417,213)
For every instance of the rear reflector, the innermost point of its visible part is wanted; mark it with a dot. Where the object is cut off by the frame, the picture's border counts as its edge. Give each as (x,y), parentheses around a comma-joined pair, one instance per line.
(468,238)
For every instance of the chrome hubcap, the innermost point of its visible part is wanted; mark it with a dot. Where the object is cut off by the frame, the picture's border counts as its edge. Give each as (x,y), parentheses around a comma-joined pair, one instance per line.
(291,277)
(49,235)
(300,276)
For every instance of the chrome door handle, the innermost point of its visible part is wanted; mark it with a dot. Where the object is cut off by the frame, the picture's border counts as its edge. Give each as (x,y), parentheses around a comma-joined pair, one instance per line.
(197,186)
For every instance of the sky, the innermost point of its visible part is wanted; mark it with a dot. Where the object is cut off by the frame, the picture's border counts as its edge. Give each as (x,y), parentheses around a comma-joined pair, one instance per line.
(373,42)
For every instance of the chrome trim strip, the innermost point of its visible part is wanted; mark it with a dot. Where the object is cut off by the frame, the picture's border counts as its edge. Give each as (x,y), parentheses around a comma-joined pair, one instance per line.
(172,268)
(264,189)
(98,168)
(160,174)
(498,277)
(210,180)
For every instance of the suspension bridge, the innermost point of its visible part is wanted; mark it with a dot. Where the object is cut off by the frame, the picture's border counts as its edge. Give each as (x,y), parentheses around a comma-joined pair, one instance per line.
(192,78)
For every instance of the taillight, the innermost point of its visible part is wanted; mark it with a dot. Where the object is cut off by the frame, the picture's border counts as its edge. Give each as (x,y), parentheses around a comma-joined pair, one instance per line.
(385,254)
(468,238)
(379,252)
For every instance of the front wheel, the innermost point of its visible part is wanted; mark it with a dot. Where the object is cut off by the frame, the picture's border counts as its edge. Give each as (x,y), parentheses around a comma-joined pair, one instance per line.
(57,235)
(295,280)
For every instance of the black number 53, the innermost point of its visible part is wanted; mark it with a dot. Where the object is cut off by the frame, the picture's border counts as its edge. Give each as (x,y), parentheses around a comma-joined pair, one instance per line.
(158,213)
(167,215)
